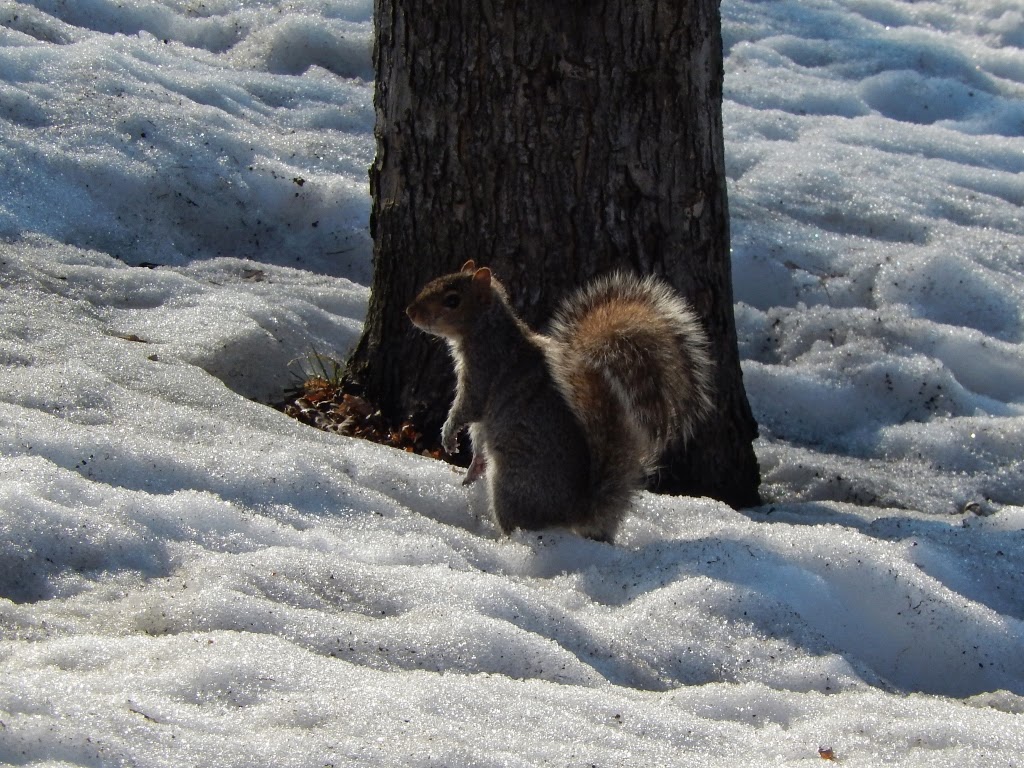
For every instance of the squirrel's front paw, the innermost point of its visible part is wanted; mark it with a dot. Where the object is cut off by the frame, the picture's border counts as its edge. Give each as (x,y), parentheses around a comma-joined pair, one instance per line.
(476,469)
(450,438)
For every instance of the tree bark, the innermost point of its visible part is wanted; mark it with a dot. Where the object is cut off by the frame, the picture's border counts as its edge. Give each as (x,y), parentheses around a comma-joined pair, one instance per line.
(552,141)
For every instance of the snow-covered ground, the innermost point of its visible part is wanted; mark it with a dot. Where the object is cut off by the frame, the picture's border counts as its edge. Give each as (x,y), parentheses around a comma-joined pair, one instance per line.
(188,577)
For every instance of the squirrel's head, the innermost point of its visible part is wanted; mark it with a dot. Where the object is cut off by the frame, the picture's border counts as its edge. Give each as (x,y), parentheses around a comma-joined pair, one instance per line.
(450,306)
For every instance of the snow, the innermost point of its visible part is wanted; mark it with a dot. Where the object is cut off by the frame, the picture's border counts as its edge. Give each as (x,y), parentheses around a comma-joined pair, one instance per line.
(188,577)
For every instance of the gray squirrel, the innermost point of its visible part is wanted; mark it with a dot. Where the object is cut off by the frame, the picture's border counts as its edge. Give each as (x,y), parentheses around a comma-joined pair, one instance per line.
(567,425)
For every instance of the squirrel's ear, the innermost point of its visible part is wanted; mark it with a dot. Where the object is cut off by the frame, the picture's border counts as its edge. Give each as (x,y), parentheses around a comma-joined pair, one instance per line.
(469,266)
(482,278)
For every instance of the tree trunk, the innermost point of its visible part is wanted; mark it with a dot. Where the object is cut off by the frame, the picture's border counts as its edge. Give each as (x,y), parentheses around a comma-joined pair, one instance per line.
(552,141)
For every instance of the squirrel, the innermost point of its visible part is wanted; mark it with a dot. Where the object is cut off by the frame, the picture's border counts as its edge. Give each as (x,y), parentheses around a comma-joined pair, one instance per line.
(567,425)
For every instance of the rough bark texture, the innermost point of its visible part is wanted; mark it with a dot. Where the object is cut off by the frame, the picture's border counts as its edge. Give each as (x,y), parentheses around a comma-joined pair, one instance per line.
(552,141)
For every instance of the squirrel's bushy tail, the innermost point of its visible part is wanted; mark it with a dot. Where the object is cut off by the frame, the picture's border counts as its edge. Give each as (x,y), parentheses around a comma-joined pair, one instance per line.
(637,341)
(649,346)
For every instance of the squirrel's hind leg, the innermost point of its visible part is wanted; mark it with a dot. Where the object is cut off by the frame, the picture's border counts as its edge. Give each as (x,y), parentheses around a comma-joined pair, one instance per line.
(503,505)
(519,502)
(597,532)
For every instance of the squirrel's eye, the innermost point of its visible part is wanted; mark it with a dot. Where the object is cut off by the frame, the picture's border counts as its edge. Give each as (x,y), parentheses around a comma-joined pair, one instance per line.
(451,301)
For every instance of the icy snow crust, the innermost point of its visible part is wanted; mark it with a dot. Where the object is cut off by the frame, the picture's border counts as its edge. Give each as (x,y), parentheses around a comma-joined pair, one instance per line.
(188,577)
